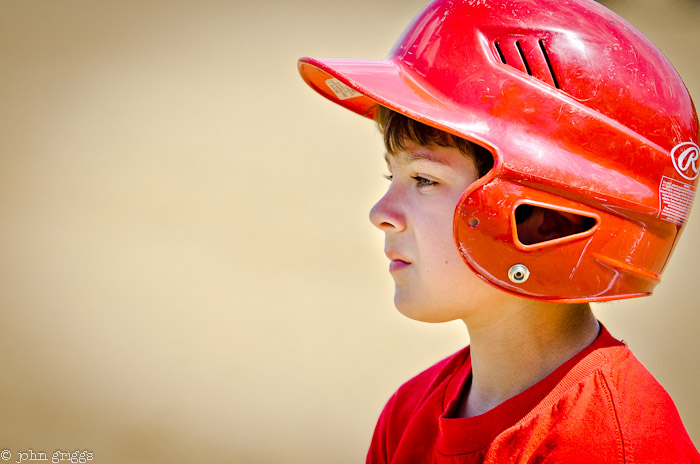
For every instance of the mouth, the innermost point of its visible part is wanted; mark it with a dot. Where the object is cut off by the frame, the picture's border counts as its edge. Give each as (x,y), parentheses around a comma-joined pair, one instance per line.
(397,265)
(398,261)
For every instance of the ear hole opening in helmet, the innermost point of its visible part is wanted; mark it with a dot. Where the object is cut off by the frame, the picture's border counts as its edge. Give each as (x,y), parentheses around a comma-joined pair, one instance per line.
(536,224)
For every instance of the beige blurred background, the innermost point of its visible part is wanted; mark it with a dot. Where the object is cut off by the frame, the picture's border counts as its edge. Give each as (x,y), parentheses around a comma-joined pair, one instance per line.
(188,273)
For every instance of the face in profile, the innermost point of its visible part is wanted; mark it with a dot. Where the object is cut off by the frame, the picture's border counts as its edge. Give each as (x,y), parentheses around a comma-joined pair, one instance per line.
(432,282)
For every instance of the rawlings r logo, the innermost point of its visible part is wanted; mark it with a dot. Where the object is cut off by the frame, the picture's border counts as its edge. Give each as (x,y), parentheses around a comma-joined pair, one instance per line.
(685,160)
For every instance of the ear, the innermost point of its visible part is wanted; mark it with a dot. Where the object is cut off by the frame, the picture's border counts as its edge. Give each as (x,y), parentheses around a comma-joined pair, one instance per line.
(543,224)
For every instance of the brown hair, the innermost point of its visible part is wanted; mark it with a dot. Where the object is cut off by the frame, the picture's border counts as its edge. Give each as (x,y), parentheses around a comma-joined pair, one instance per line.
(397,129)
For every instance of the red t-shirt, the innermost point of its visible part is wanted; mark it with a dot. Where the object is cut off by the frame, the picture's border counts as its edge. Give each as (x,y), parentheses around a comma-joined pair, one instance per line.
(601,406)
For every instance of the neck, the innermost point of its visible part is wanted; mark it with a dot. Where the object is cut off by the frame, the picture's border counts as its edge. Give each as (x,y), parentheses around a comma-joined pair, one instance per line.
(514,348)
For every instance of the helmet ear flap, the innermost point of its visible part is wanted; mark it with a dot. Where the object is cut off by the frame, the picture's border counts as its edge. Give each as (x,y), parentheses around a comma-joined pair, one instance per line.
(491,227)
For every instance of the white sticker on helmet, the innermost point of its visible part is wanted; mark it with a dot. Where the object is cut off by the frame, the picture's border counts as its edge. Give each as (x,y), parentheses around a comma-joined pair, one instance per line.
(685,160)
(342,91)
(676,197)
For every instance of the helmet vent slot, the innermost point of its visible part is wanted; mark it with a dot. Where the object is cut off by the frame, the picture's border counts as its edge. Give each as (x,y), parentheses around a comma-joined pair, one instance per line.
(522,57)
(500,53)
(549,63)
(528,55)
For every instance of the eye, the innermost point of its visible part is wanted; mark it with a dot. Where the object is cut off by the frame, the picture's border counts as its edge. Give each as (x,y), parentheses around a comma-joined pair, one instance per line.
(423,182)
(389,177)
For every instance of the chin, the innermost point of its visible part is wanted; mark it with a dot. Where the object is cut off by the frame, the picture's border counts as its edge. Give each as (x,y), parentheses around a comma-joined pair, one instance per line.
(421,311)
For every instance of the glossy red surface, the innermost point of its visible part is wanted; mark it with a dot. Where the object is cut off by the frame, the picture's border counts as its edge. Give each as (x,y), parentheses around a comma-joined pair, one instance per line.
(580,111)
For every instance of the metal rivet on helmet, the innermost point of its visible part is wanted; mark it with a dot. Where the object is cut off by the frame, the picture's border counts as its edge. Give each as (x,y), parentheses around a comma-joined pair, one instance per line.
(518,273)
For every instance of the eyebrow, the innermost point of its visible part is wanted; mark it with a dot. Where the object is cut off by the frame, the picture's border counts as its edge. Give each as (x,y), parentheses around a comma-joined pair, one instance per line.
(423,155)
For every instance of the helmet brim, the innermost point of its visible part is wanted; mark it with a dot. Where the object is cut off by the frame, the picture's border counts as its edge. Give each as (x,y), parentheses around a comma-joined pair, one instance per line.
(359,85)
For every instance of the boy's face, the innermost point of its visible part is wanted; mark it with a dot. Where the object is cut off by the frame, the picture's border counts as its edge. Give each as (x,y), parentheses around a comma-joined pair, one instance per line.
(432,283)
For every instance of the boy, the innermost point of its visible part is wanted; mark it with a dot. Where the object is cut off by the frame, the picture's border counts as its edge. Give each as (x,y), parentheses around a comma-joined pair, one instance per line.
(542,155)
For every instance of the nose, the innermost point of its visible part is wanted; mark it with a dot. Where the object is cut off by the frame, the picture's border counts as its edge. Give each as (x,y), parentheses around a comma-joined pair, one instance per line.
(387,214)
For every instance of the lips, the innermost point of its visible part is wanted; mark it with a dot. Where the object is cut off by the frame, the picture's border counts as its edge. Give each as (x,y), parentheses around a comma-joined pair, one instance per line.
(398,261)
(397,265)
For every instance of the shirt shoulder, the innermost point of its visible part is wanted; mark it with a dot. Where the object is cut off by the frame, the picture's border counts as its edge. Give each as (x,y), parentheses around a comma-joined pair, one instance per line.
(619,413)
(414,392)
(649,423)
(425,392)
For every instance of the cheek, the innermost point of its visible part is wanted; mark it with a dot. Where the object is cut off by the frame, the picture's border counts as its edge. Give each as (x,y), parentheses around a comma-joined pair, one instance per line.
(440,252)
(443,234)
(435,234)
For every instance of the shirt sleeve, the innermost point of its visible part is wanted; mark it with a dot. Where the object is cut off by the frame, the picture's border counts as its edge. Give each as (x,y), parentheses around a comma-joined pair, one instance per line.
(378,448)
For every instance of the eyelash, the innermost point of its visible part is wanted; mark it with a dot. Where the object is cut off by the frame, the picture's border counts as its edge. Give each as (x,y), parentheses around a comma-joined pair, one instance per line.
(423,182)
(420,180)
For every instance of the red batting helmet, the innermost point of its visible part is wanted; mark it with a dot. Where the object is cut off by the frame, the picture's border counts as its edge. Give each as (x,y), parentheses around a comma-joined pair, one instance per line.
(582,114)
